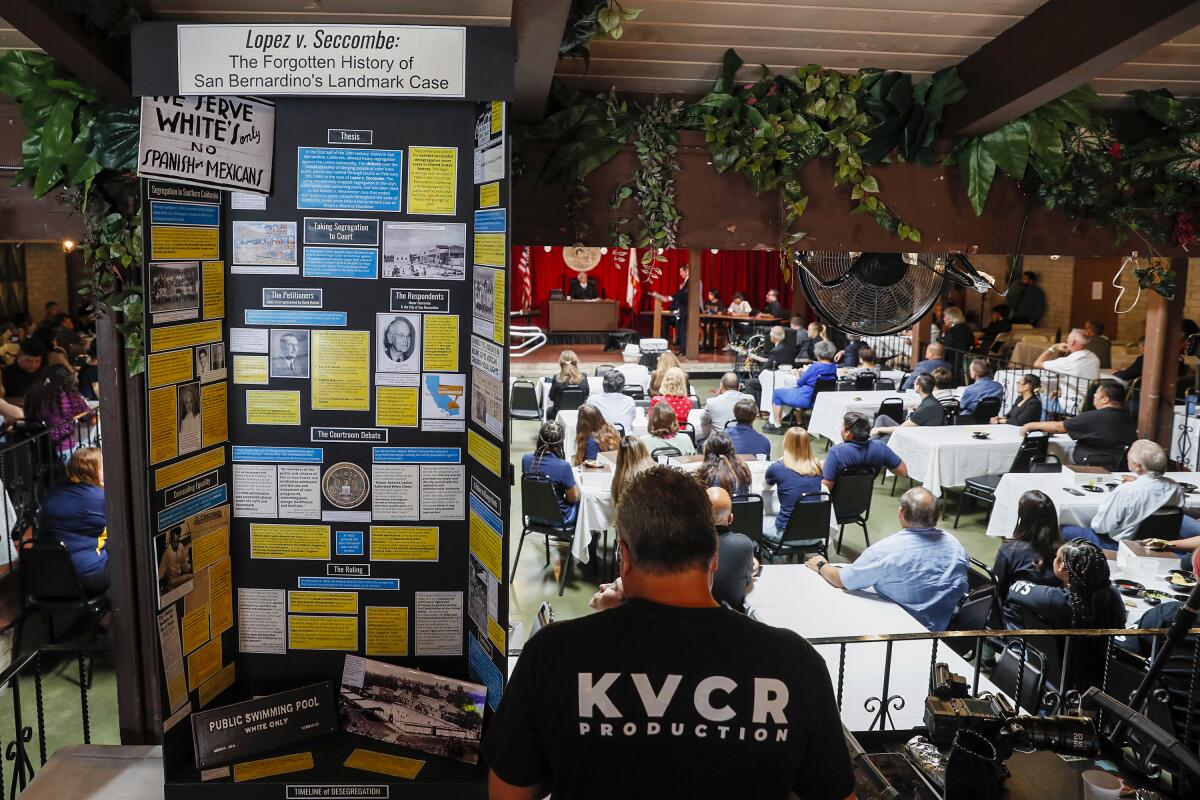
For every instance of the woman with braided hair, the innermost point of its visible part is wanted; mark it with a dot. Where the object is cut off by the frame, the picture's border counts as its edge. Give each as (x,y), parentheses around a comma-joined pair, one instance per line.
(1087,598)
(547,460)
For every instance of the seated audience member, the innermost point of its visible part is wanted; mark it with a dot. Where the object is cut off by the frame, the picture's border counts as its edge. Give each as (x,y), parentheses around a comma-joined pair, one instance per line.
(795,474)
(920,568)
(635,372)
(1134,370)
(1098,343)
(568,376)
(736,563)
(806,341)
(1072,358)
(943,384)
(982,386)
(849,355)
(1124,508)
(781,354)
(666,362)
(801,395)
(928,413)
(739,306)
(935,356)
(21,375)
(617,408)
(722,467)
(89,374)
(1102,434)
(708,327)
(957,337)
(673,390)
(632,460)
(73,513)
(746,440)
(1028,407)
(662,430)
(771,308)
(56,402)
(1029,555)
(1084,596)
(718,410)
(65,336)
(1000,323)
(578,700)
(593,435)
(858,452)
(548,461)
(866,363)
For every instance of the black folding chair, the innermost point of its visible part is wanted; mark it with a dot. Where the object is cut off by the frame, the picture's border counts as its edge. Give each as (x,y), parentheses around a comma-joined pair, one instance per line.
(50,586)
(635,391)
(845,384)
(891,407)
(867,382)
(882,384)
(543,515)
(619,428)
(983,487)
(570,399)
(603,370)
(1046,463)
(523,400)
(690,430)
(748,516)
(977,610)
(851,498)
(669,452)
(807,529)
(982,415)
(1165,523)
(950,410)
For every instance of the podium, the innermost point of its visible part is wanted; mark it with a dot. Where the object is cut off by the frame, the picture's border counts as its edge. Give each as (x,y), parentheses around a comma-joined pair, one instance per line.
(583,316)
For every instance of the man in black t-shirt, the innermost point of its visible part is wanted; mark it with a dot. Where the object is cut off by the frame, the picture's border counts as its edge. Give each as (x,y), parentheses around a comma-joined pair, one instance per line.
(1102,435)
(929,411)
(669,694)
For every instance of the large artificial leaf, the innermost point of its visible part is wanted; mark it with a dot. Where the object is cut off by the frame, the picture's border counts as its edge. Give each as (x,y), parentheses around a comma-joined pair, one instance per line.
(115,138)
(1045,148)
(1008,146)
(731,62)
(978,169)
(1073,108)
(1165,108)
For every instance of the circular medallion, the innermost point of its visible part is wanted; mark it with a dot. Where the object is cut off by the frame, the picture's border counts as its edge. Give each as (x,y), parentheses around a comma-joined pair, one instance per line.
(345,485)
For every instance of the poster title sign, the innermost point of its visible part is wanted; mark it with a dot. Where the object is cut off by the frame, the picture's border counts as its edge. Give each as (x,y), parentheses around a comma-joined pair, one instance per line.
(391,60)
(220,142)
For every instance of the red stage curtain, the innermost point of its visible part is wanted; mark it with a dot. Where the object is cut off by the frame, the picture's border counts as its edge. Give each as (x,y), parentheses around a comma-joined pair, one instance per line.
(751,272)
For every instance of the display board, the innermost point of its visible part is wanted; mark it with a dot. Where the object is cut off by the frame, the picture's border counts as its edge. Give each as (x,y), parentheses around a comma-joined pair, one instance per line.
(326,433)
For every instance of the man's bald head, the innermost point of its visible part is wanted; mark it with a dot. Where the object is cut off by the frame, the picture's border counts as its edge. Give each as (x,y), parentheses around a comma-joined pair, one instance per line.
(919,508)
(722,505)
(935,350)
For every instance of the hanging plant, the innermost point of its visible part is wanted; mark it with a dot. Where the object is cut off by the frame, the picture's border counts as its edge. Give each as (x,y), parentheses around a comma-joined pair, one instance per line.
(588,19)
(652,188)
(1157,275)
(78,142)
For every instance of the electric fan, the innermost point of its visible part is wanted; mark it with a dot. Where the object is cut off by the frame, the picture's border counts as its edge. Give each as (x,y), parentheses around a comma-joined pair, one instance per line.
(873,294)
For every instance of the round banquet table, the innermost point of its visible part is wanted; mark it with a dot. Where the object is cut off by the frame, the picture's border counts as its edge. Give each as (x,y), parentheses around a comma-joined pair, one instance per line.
(568,420)
(829,408)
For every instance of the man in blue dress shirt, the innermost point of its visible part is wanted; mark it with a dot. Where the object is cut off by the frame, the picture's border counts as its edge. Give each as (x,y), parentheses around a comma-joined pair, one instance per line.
(983,385)
(746,440)
(935,356)
(920,568)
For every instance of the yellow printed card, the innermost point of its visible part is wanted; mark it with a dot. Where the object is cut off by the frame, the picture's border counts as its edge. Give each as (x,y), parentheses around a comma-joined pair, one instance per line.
(195,629)
(289,541)
(170,244)
(268,407)
(216,684)
(486,545)
(204,663)
(189,467)
(171,367)
(499,312)
(214,413)
(341,371)
(440,346)
(322,633)
(384,764)
(250,369)
(209,549)
(214,289)
(220,593)
(396,543)
(387,631)
(396,406)
(163,430)
(483,451)
(489,249)
(432,180)
(266,767)
(489,195)
(175,336)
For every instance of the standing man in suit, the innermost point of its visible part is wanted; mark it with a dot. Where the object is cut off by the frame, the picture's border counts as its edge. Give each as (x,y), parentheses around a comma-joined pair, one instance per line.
(583,289)
(679,304)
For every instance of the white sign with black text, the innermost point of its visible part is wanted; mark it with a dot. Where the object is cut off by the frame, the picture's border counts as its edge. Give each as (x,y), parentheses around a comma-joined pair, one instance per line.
(380,60)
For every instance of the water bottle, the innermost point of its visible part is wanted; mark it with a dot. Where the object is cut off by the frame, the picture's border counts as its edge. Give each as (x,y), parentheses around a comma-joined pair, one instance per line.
(1190,404)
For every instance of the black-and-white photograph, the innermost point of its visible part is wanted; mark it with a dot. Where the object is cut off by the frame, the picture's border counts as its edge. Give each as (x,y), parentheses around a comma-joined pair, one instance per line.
(210,362)
(174,290)
(477,593)
(397,342)
(188,400)
(426,712)
(173,550)
(289,353)
(425,250)
(487,403)
(483,293)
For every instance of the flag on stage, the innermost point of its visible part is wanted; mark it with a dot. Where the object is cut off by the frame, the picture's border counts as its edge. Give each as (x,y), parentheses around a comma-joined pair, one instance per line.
(526,275)
(633,285)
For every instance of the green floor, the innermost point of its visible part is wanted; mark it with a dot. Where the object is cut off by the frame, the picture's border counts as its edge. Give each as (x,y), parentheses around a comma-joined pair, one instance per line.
(533,582)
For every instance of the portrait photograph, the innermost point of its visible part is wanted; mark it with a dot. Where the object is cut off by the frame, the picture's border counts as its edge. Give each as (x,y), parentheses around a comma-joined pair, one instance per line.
(289,353)
(188,399)
(397,342)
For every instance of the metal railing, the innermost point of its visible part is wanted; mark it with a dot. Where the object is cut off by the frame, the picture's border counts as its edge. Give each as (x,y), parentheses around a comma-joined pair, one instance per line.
(17,746)
(1185,441)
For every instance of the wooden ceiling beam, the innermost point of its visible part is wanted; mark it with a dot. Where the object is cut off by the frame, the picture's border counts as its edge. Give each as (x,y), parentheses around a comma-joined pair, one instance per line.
(539,26)
(1061,45)
(61,35)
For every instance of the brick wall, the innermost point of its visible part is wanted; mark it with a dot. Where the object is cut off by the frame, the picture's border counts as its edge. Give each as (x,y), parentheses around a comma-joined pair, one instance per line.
(45,278)
(1055,276)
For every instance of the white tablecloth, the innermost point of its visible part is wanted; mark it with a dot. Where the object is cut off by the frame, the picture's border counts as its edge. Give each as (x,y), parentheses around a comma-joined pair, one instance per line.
(568,420)
(830,407)
(946,456)
(595,386)
(787,379)
(1072,509)
(794,597)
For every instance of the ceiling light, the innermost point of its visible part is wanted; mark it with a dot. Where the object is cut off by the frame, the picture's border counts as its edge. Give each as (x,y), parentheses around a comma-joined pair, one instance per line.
(68,245)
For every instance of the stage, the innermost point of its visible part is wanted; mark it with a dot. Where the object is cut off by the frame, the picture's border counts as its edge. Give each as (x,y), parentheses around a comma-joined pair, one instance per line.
(544,361)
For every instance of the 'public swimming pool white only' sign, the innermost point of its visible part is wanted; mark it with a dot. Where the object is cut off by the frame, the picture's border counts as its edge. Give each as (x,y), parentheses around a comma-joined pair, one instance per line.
(378,60)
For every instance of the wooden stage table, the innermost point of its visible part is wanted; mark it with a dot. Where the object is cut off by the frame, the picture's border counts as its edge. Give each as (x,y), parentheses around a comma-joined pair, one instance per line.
(583,316)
